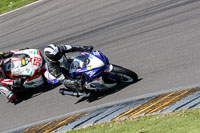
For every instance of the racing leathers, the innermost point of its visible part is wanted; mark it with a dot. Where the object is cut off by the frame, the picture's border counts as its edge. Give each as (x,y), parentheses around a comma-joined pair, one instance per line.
(9,83)
(58,65)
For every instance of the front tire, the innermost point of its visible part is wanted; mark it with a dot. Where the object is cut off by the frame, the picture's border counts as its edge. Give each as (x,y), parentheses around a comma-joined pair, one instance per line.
(124,75)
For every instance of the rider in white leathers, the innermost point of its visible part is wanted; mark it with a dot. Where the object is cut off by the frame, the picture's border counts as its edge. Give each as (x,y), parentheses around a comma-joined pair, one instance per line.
(54,55)
(8,82)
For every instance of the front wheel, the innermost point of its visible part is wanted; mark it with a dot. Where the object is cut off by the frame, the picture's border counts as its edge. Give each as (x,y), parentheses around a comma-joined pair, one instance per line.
(120,74)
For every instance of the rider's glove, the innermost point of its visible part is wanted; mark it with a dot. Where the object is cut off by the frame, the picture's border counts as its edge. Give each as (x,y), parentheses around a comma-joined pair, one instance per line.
(17,82)
(87,48)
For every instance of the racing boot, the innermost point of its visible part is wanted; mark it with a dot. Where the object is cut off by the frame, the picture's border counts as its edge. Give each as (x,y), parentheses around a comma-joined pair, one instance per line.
(72,88)
(8,93)
(76,88)
(12,97)
(73,84)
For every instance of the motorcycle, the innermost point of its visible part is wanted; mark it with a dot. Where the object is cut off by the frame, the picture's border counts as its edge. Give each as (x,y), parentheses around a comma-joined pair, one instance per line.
(27,63)
(98,73)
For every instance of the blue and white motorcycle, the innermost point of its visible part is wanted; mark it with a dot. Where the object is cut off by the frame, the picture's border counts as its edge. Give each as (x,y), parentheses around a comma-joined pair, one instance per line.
(98,73)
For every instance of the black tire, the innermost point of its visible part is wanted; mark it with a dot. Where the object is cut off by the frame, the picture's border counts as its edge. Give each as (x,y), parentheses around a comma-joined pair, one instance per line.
(125,75)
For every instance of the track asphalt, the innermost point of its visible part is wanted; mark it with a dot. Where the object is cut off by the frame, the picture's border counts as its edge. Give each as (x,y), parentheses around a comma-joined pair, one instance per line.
(157,39)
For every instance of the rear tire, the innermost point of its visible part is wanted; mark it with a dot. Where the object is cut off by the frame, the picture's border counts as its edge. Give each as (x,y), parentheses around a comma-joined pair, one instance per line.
(124,74)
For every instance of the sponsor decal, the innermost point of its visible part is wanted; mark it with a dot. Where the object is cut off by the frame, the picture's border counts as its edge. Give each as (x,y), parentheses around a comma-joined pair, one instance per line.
(27,70)
(90,73)
(91,56)
(23,62)
(89,67)
(96,53)
(30,83)
(37,61)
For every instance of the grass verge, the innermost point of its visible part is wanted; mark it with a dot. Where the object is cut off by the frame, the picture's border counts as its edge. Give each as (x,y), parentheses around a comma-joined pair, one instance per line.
(8,5)
(185,121)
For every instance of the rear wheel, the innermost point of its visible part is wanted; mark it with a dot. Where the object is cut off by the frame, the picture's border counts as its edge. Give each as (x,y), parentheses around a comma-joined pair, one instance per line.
(120,74)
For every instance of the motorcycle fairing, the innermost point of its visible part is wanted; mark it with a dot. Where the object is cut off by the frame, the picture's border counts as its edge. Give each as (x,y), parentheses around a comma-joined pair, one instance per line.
(50,78)
(31,60)
(36,82)
(26,62)
(91,65)
(99,84)
(21,67)
(101,56)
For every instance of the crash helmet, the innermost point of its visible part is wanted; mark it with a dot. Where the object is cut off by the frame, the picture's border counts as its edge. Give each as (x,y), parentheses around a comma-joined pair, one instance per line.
(52,53)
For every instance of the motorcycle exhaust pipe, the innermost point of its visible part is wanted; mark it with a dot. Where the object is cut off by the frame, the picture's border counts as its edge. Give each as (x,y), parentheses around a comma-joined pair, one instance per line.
(66,92)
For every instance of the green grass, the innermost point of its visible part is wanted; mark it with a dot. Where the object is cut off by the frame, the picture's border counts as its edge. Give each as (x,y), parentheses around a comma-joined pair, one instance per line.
(8,5)
(187,121)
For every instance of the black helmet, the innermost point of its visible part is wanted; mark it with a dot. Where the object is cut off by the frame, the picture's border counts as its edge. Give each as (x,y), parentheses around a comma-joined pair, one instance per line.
(52,52)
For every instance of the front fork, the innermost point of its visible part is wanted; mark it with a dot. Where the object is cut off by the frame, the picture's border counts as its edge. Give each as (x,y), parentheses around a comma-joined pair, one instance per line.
(108,68)
(99,83)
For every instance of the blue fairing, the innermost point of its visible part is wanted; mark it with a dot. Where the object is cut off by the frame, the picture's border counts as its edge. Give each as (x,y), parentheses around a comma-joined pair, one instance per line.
(92,73)
(97,73)
(99,55)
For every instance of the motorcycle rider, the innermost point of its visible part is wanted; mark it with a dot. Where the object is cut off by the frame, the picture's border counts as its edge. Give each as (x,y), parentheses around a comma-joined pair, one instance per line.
(8,82)
(54,55)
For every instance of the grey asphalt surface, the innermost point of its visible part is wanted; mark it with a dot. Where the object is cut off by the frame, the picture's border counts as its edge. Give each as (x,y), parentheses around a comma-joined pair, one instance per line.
(157,39)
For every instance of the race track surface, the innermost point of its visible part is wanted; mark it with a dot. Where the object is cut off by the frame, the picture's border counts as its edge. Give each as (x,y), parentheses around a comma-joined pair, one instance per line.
(157,39)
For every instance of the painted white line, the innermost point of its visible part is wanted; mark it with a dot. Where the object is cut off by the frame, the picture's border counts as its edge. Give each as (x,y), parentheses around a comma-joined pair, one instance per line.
(102,106)
(21,8)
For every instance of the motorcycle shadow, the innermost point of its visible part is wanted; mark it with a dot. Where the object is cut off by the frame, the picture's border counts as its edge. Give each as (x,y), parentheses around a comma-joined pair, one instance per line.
(31,93)
(101,94)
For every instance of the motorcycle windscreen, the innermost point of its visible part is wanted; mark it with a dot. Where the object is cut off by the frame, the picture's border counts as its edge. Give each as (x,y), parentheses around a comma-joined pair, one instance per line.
(20,65)
(79,63)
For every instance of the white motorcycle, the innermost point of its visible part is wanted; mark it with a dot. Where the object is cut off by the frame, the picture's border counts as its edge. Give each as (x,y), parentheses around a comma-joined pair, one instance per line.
(26,63)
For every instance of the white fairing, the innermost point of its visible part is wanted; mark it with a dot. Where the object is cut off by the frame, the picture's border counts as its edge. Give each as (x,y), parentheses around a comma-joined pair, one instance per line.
(49,76)
(34,63)
(99,84)
(18,70)
(27,66)
(95,62)
(34,83)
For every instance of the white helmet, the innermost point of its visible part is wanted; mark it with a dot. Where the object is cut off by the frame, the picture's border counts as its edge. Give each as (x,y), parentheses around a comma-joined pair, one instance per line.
(52,52)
